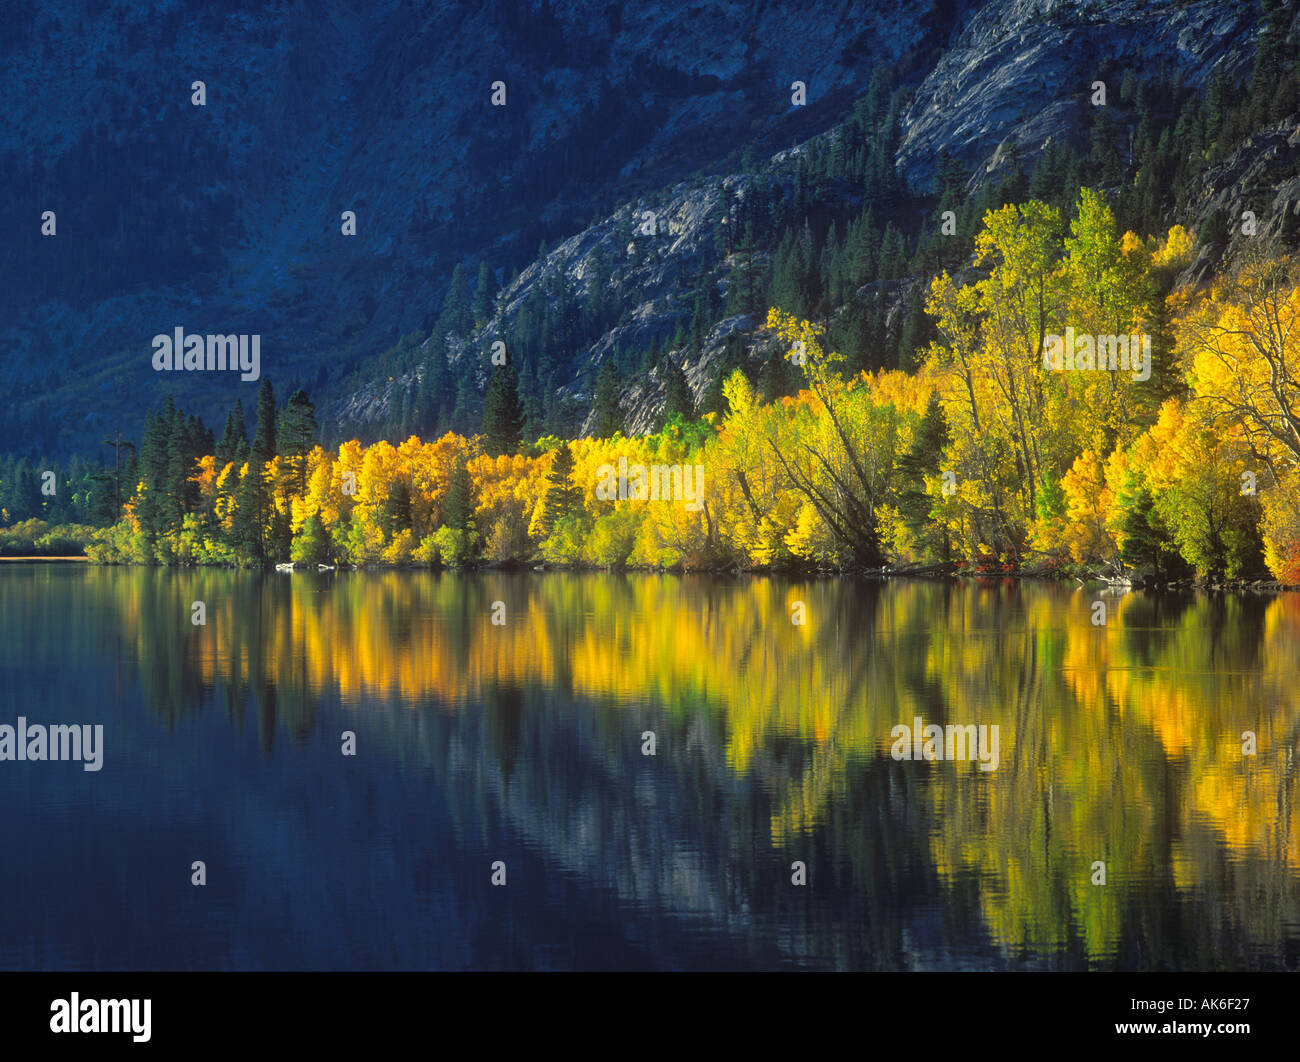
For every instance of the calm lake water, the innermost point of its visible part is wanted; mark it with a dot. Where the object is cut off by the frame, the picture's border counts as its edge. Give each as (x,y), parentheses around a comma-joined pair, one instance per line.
(522,742)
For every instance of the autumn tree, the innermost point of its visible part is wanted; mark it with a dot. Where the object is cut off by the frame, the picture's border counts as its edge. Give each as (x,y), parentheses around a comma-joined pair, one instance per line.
(844,459)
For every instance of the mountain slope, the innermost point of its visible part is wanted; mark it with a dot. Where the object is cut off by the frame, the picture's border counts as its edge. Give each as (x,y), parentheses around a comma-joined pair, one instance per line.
(226,218)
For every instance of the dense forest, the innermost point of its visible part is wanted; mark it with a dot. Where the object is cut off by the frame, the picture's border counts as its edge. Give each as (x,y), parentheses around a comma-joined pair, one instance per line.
(981,455)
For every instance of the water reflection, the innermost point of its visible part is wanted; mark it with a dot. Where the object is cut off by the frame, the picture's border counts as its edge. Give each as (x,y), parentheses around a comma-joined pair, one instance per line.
(1120,744)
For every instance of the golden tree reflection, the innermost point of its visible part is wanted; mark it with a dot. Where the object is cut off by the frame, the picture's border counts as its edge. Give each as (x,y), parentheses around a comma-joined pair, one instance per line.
(1120,743)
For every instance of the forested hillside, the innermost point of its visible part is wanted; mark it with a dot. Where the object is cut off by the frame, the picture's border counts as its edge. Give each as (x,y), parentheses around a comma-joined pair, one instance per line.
(836,354)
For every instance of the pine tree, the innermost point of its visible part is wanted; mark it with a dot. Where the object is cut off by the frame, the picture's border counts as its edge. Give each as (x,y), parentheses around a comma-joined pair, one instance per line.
(1147,543)
(297,435)
(649,358)
(1268,86)
(236,431)
(915,334)
(677,394)
(430,397)
(562,497)
(860,257)
(106,506)
(464,409)
(699,321)
(1104,166)
(279,543)
(534,415)
(950,181)
(1214,229)
(246,527)
(776,378)
(457,317)
(154,507)
(743,281)
(892,254)
(458,512)
(187,441)
(503,415)
(130,472)
(485,292)
(597,310)
(733,354)
(789,278)
(397,509)
(398,421)
(608,414)
(264,440)
(923,458)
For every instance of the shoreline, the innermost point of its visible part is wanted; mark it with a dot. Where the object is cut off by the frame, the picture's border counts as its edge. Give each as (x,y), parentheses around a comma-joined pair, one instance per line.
(40,558)
(1261,584)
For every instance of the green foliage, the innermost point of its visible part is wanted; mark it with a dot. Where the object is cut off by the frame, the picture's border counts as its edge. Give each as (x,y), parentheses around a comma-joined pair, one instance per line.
(791,238)
(279,539)
(608,413)
(778,377)
(36,538)
(915,503)
(1049,502)
(1214,229)
(1214,526)
(732,359)
(264,442)
(119,544)
(397,515)
(454,545)
(459,512)
(296,435)
(1146,543)
(169,452)
(612,538)
(234,439)
(677,395)
(503,415)
(563,498)
(247,538)
(567,540)
(311,545)
(485,292)
(457,317)
(680,436)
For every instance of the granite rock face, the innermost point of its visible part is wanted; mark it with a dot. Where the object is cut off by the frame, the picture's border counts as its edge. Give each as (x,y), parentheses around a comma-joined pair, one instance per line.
(1015,69)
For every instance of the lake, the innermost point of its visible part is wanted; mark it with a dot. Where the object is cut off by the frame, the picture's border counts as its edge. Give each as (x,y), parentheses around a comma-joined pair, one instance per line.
(1140,813)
